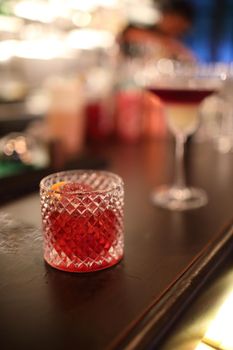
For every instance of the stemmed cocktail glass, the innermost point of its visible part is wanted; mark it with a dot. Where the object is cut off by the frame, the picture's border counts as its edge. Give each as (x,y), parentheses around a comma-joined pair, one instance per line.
(182,91)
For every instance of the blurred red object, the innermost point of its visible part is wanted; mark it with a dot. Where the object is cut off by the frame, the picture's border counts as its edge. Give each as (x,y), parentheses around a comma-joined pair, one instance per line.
(99,119)
(140,114)
(154,118)
(129,106)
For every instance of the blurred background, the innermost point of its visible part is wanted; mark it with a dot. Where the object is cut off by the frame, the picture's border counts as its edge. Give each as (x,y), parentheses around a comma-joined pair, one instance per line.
(69,73)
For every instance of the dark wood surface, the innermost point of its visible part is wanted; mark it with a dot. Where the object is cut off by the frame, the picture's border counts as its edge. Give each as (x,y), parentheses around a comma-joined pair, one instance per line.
(43,307)
(188,331)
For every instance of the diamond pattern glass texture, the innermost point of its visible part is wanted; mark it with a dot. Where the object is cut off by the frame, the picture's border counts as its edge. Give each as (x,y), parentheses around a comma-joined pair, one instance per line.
(82,221)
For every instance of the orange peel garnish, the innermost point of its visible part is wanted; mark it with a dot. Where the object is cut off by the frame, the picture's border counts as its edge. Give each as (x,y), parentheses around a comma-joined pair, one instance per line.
(64,188)
(56,187)
(55,190)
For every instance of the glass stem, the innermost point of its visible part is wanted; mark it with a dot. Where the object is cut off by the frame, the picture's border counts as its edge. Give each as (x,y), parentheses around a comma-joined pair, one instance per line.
(180,180)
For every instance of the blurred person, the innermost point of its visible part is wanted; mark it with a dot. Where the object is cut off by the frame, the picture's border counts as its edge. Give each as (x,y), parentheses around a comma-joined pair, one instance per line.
(160,40)
(163,38)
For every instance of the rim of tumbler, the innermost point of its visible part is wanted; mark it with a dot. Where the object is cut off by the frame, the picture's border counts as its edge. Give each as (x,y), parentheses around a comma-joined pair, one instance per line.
(118,181)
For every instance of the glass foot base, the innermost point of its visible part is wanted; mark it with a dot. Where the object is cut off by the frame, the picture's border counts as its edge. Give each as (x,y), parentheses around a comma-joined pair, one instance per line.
(175,198)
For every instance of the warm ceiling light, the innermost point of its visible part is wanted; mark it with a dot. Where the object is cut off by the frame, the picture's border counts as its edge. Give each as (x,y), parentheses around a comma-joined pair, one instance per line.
(35,11)
(45,49)
(6,50)
(89,5)
(10,24)
(89,39)
(81,19)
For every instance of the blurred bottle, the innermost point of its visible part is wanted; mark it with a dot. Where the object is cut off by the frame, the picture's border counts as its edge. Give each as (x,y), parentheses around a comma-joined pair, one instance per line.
(129,102)
(100,104)
(217,115)
(140,115)
(129,115)
(65,117)
(154,120)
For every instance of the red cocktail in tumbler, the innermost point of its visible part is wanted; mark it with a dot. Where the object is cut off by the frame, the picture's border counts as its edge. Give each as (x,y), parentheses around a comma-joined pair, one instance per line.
(82,216)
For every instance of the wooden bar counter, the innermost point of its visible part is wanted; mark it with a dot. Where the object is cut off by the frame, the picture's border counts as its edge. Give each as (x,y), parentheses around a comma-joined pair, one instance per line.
(168,258)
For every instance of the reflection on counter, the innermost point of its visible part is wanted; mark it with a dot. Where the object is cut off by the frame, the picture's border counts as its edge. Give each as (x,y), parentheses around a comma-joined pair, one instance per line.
(207,323)
(20,152)
(219,334)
